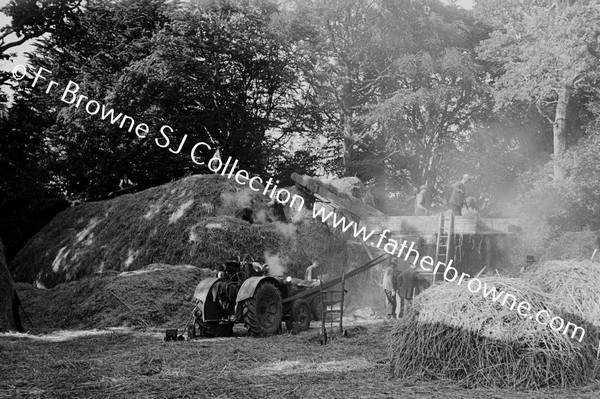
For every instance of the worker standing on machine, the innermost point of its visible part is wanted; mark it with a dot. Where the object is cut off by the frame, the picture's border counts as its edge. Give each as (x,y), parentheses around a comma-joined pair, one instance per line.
(423,201)
(458,196)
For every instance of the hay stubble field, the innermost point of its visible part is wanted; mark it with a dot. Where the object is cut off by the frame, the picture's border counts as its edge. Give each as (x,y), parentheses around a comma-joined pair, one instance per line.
(128,363)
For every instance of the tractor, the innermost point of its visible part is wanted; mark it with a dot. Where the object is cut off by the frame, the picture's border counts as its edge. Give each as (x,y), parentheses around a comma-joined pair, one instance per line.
(244,292)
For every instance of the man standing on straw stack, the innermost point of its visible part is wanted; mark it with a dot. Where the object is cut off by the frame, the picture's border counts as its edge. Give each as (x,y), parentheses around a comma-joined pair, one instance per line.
(410,284)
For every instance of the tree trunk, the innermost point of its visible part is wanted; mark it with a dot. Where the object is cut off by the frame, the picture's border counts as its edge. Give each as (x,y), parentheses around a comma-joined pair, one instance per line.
(346,146)
(379,191)
(346,108)
(9,316)
(560,131)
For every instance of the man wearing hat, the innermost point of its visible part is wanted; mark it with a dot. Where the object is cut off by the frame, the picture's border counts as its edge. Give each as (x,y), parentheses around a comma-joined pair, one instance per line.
(423,201)
(458,196)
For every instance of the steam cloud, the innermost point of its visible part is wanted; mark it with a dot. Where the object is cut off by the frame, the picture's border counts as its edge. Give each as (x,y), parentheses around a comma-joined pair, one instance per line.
(287,229)
(240,199)
(276,264)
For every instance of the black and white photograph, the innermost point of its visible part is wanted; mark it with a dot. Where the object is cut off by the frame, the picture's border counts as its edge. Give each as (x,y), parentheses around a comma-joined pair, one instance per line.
(300,199)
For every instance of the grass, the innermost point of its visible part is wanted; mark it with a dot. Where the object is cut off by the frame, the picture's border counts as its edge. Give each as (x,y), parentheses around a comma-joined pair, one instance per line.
(127,364)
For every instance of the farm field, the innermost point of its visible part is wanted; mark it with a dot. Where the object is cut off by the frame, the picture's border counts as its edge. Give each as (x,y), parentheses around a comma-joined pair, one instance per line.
(127,363)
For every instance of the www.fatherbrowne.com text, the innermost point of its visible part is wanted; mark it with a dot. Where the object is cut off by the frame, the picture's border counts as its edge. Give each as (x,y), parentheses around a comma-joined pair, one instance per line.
(70,95)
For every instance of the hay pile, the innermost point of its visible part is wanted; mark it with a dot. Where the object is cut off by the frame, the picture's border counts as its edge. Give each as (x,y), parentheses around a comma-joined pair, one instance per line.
(571,285)
(193,221)
(453,333)
(160,294)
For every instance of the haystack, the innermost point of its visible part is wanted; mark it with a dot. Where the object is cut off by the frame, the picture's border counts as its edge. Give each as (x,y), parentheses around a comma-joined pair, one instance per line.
(453,333)
(159,295)
(572,286)
(193,221)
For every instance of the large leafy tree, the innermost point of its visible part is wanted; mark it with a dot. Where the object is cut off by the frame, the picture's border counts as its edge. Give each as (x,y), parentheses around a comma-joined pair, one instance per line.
(219,72)
(428,117)
(223,73)
(27,201)
(398,84)
(89,154)
(545,53)
(31,19)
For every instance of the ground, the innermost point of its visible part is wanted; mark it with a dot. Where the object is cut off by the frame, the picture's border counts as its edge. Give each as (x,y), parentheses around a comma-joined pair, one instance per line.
(125,363)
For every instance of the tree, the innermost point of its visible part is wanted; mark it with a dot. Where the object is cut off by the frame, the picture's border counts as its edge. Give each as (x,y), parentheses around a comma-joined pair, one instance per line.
(28,199)
(376,63)
(428,117)
(32,19)
(546,52)
(500,149)
(224,73)
(227,75)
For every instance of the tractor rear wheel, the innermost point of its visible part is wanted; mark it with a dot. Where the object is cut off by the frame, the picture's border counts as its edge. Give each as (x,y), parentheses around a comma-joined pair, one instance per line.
(262,313)
(301,314)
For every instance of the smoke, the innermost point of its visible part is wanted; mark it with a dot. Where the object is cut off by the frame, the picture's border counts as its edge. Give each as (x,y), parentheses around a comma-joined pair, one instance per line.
(260,216)
(276,264)
(239,199)
(287,229)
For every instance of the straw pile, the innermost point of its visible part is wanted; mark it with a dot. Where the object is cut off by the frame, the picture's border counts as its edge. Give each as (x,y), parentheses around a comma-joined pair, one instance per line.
(159,295)
(453,333)
(572,286)
(194,221)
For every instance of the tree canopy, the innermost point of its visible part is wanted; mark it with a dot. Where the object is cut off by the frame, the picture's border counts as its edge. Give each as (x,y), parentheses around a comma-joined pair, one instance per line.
(399,93)
(547,52)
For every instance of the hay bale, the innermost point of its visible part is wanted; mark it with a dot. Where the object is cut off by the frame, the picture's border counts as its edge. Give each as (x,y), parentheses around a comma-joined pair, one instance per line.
(453,333)
(572,286)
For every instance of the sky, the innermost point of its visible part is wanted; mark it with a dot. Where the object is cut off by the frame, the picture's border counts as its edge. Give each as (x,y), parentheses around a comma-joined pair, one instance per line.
(4,20)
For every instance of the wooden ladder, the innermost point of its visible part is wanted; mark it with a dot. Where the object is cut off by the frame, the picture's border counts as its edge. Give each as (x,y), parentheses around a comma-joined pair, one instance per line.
(444,241)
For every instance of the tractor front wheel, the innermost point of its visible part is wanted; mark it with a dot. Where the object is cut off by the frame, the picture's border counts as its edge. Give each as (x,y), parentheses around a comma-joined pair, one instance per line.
(263,312)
